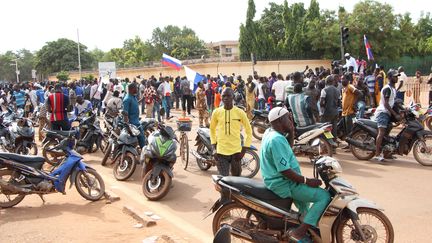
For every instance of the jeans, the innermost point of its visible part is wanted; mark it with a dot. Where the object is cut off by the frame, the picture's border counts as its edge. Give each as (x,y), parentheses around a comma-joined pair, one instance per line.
(187,99)
(177,100)
(166,103)
(348,123)
(261,104)
(156,109)
(143,104)
(96,104)
(361,107)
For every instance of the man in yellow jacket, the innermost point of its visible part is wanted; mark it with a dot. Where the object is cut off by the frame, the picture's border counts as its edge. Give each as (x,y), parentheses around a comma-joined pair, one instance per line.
(225,127)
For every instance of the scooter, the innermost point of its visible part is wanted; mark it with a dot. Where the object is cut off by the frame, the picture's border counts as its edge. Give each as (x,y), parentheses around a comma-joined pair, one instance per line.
(253,213)
(23,175)
(158,159)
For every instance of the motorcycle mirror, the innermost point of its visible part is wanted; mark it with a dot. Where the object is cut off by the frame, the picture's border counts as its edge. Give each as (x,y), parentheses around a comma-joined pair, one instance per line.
(223,235)
(315,142)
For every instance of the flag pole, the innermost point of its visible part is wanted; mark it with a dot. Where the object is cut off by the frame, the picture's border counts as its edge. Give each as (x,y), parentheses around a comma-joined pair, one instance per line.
(79,55)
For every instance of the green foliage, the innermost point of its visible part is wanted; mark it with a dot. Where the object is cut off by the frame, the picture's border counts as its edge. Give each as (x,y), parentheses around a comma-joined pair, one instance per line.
(292,32)
(88,77)
(62,76)
(62,54)
(25,65)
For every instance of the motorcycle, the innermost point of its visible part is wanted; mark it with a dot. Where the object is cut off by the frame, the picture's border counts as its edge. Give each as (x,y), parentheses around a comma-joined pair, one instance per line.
(17,136)
(412,137)
(90,138)
(259,123)
(123,149)
(250,163)
(304,137)
(23,175)
(158,159)
(254,213)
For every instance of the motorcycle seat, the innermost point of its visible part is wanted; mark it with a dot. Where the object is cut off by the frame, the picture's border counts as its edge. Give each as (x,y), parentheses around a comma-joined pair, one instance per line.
(204,131)
(368,123)
(33,161)
(301,130)
(259,190)
(263,113)
(145,123)
(61,133)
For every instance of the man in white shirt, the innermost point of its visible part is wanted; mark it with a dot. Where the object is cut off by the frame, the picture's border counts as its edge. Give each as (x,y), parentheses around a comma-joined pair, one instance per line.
(401,84)
(278,88)
(350,62)
(118,87)
(95,96)
(166,102)
(82,106)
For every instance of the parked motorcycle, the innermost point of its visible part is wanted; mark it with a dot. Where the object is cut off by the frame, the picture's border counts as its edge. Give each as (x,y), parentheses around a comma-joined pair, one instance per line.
(412,137)
(123,148)
(23,175)
(158,159)
(305,137)
(254,213)
(259,123)
(90,138)
(17,135)
(250,163)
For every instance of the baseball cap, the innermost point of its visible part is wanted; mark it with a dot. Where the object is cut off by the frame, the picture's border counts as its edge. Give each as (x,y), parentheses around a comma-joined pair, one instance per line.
(392,73)
(276,113)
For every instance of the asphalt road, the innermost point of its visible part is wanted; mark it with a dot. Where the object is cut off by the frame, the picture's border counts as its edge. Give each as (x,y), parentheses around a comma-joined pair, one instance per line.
(401,187)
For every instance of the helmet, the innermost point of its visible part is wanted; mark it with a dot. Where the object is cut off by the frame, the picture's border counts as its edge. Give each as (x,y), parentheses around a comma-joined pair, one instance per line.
(330,164)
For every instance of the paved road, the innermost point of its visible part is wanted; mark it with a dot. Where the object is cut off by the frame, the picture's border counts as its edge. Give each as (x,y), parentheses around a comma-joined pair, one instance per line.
(401,187)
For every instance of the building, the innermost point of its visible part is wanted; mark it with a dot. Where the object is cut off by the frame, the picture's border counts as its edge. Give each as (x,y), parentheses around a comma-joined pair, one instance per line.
(226,49)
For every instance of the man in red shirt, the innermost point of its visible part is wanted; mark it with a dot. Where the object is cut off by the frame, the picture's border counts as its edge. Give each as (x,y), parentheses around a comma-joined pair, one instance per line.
(58,104)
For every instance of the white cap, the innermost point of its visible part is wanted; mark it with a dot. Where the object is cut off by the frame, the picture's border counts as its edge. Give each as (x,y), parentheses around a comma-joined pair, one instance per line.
(347,54)
(276,113)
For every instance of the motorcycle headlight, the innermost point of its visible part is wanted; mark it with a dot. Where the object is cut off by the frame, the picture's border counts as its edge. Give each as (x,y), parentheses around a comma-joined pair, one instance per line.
(134,130)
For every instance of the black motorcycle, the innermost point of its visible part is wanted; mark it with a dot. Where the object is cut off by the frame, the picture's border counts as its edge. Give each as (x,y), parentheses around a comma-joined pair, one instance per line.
(412,136)
(17,135)
(259,123)
(123,148)
(250,163)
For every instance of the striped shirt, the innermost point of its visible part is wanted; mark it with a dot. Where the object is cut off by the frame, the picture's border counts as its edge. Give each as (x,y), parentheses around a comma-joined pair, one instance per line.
(302,112)
(58,103)
(19,98)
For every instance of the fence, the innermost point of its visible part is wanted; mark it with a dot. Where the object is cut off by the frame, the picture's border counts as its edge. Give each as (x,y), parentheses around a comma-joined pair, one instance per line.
(411,64)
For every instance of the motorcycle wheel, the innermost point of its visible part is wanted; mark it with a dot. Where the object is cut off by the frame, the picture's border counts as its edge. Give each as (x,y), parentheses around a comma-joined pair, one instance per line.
(345,231)
(422,151)
(87,182)
(231,214)
(256,132)
(9,200)
(52,158)
(325,148)
(102,143)
(184,150)
(202,165)
(358,152)
(107,154)
(428,123)
(250,164)
(29,150)
(123,169)
(155,191)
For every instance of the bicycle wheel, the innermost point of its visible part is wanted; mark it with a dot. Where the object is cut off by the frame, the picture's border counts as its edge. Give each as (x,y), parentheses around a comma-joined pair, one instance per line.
(184,150)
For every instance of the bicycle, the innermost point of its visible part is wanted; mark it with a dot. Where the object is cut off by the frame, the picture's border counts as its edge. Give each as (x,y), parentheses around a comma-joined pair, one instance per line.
(184,125)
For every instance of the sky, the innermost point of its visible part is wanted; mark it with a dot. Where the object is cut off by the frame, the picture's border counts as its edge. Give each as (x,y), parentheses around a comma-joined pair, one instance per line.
(106,24)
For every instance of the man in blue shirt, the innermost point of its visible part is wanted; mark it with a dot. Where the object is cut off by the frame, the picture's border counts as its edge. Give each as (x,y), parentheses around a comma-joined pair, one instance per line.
(19,97)
(131,110)
(281,174)
(78,89)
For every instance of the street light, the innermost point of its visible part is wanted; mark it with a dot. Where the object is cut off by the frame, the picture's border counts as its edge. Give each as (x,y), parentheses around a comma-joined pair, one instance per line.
(16,69)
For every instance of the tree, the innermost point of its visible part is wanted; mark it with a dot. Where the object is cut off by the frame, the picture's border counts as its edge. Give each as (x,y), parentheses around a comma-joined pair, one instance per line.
(247,33)
(62,76)
(62,54)
(97,56)
(25,65)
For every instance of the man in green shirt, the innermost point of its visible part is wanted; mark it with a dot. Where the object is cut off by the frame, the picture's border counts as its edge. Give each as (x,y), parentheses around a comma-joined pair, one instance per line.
(281,173)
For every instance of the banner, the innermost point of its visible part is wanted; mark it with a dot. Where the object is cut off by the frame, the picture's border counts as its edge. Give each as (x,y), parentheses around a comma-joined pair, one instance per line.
(107,69)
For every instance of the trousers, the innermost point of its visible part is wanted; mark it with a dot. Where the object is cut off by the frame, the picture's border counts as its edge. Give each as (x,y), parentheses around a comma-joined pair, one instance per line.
(303,195)
(224,162)
(203,117)
(149,110)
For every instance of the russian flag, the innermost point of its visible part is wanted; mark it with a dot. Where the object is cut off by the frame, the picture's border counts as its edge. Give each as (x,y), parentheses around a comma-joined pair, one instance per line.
(171,62)
(193,77)
(368,48)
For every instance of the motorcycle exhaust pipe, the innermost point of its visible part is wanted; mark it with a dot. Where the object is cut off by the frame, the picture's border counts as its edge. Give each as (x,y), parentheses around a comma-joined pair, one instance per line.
(198,156)
(360,145)
(5,186)
(238,233)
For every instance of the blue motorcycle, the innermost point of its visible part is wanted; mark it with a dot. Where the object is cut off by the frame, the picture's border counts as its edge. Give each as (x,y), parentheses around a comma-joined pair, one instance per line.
(22,175)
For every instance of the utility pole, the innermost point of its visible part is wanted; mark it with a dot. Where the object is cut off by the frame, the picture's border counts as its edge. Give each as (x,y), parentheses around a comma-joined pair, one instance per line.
(79,56)
(16,69)
(341,44)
